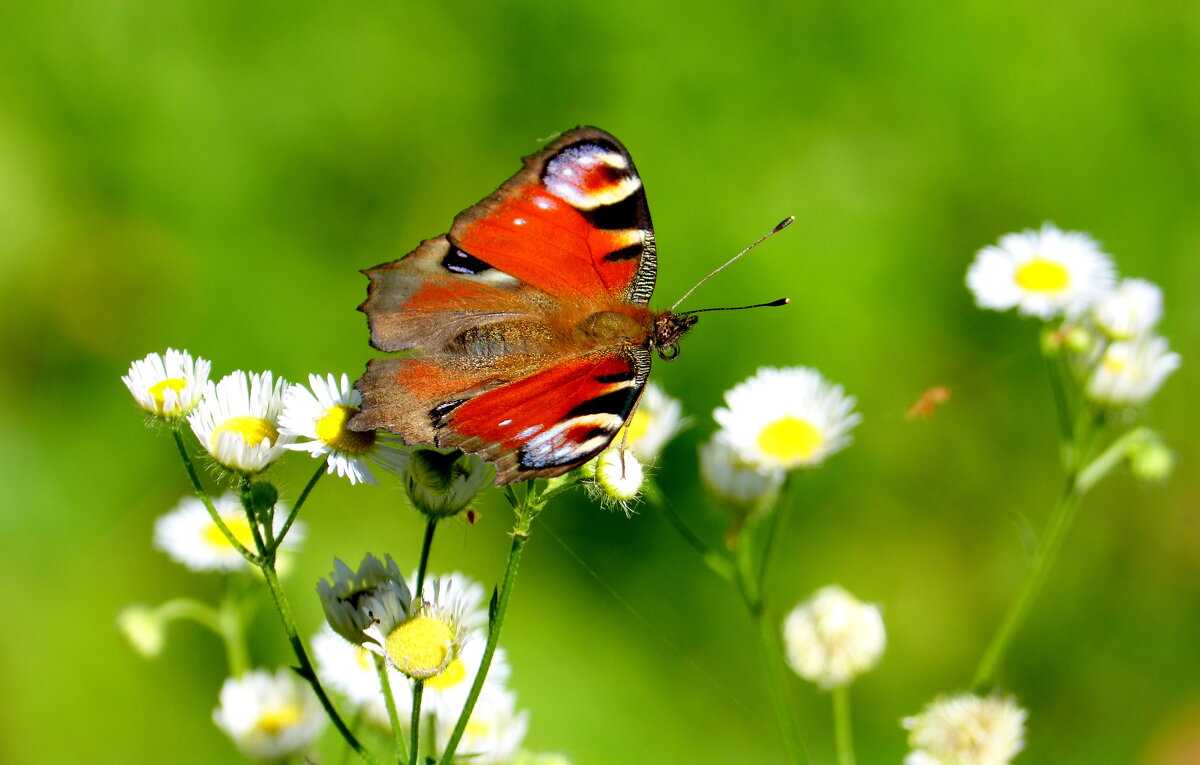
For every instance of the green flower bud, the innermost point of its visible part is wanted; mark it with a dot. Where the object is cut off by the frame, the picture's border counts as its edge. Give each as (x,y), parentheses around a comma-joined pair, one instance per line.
(442,483)
(1150,459)
(263,496)
(145,631)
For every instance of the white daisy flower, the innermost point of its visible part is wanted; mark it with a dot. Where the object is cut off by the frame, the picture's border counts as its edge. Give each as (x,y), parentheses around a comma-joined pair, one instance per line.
(731,478)
(619,474)
(350,670)
(966,730)
(1129,373)
(781,419)
(1043,273)
(460,594)
(494,732)
(321,415)
(446,693)
(657,420)
(1130,310)
(833,637)
(269,716)
(168,387)
(420,638)
(237,421)
(344,595)
(189,536)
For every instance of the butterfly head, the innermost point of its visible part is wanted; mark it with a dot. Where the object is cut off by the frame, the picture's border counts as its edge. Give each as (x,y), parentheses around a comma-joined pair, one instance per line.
(668,328)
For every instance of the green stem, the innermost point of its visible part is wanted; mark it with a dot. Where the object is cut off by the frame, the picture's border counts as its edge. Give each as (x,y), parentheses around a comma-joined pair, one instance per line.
(287,524)
(719,563)
(385,685)
(781,699)
(520,537)
(782,504)
(202,495)
(841,725)
(423,563)
(418,691)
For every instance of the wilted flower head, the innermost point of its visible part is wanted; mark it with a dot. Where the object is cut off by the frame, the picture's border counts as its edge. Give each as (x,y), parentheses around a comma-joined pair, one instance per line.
(1129,373)
(833,637)
(440,483)
(270,716)
(345,594)
(321,415)
(656,421)
(237,422)
(167,387)
(781,419)
(966,730)
(1130,310)
(731,478)
(1044,273)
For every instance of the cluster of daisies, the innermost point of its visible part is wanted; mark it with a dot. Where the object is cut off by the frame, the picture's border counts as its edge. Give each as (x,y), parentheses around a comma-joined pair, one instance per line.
(248,420)
(1107,327)
(437,637)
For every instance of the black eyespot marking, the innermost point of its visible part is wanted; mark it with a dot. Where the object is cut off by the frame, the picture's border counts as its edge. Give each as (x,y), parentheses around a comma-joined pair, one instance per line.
(619,377)
(617,402)
(623,214)
(439,412)
(632,252)
(460,262)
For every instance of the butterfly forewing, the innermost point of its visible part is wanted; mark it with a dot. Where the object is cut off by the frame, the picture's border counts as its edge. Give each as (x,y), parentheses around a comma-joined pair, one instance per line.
(527,319)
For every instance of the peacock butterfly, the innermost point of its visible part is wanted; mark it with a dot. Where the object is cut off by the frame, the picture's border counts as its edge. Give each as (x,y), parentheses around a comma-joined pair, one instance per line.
(530,335)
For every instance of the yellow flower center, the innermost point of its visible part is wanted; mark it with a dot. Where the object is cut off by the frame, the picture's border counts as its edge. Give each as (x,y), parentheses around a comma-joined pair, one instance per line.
(237,525)
(158,390)
(333,431)
(253,430)
(421,646)
(1041,275)
(452,675)
(275,721)
(790,439)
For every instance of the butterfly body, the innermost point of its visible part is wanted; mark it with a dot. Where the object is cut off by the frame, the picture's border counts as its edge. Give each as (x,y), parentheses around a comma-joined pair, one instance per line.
(527,328)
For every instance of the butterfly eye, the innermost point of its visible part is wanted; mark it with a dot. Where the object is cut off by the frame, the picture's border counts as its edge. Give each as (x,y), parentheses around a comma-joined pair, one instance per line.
(668,353)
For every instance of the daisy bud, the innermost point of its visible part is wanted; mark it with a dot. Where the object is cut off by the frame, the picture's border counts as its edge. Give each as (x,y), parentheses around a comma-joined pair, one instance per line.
(1131,372)
(1150,460)
(145,631)
(440,483)
(833,637)
(966,730)
(168,387)
(619,474)
(270,716)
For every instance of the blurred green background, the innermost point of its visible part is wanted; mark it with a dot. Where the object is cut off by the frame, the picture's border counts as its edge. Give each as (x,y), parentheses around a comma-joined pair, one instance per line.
(212,175)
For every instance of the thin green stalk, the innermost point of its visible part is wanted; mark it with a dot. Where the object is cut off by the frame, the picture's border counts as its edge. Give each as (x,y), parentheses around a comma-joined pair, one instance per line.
(841,725)
(414,747)
(252,518)
(520,537)
(202,495)
(781,699)
(423,564)
(305,667)
(782,505)
(287,524)
(385,684)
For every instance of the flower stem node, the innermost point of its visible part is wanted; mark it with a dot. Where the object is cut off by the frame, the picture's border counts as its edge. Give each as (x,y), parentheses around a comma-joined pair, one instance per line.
(442,483)
(619,474)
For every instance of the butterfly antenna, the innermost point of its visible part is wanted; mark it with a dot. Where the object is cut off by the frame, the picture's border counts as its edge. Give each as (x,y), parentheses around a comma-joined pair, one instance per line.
(772,304)
(782,225)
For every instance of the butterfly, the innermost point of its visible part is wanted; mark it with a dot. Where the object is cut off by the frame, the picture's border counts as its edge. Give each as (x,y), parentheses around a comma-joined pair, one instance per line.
(527,323)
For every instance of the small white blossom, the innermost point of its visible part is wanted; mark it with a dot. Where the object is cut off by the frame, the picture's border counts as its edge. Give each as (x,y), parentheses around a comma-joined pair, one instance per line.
(189,535)
(270,716)
(1129,373)
(1044,273)
(237,422)
(966,730)
(731,478)
(1130,310)
(493,734)
(781,419)
(833,637)
(168,387)
(350,670)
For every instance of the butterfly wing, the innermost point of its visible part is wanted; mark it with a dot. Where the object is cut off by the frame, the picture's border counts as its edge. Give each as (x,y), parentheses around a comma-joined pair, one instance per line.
(528,317)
